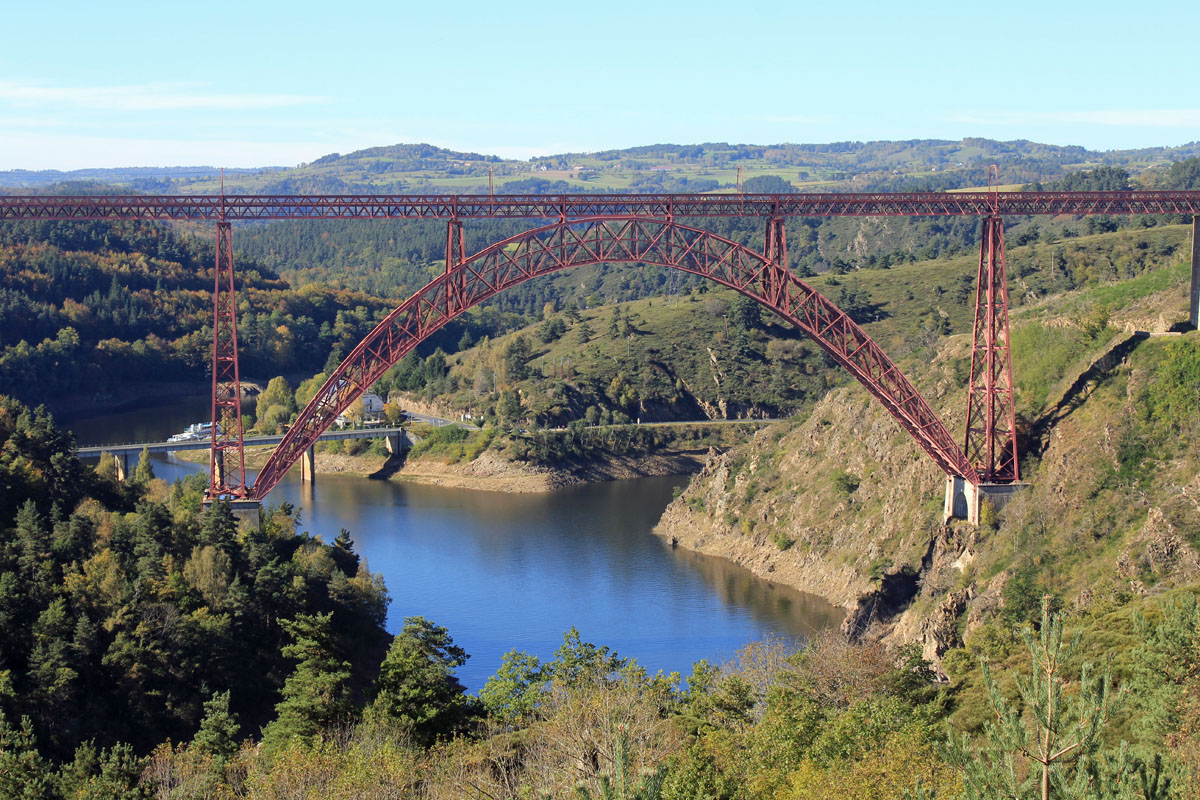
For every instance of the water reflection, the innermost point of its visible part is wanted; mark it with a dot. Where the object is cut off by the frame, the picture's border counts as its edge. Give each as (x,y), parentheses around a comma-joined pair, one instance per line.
(806,613)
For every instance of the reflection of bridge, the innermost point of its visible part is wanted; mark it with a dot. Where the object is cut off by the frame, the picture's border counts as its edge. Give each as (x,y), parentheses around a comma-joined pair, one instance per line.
(590,229)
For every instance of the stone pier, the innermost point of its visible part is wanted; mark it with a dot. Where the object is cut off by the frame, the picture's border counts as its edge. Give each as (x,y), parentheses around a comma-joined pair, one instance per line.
(122,462)
(396,442)
(964,499)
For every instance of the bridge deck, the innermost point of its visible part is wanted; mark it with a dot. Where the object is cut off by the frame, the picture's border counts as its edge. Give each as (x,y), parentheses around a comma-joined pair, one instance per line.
(575,206)
(134,448)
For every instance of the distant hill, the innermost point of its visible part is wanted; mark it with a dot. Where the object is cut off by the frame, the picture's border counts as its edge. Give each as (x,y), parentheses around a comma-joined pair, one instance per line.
(930,164)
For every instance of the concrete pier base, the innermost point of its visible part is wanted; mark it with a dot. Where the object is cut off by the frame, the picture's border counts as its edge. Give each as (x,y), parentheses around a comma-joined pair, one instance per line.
(965,499)
(396,443)
(308,465)
(248,513)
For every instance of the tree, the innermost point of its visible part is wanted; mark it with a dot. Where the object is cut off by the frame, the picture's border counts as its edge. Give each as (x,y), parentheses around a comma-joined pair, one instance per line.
(315,694)
(1055,754)
(516,359)
(745,314)
(23,771)
(209,571)
(509,409)
(614,323)
(512,694)
(577,662)
(417,688)
(354,414)
(217,737)
(145,470)
(218,526)
(277,393)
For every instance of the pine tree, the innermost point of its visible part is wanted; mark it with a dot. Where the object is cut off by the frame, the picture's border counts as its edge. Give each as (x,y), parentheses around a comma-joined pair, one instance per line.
(344,555)
(217,736)
(315,694)
(417,688)
(33,546)
(1057,753)
(23,771)
(218,527)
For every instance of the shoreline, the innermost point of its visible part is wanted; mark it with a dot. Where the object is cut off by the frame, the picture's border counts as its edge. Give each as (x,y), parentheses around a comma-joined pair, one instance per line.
(492,472)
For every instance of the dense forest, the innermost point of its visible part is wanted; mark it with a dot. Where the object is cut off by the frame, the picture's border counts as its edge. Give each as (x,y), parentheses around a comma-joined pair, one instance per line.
(87,307)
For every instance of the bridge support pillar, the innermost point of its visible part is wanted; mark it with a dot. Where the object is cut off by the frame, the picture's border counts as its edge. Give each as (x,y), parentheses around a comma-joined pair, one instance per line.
(122,462)
(1194,298)
(964,500)
(990,443)
(396,442)
(308,465)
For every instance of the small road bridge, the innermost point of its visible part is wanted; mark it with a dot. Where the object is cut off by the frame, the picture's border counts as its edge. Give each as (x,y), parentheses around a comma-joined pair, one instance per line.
(658,229)
(396,439)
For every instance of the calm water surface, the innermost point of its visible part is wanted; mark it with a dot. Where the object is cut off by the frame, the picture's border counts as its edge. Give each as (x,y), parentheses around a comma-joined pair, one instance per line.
(506,571)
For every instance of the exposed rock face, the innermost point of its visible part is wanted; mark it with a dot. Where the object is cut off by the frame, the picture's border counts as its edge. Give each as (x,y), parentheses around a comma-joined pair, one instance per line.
(492,472)
(774,507)
(939,631)
(1158,549)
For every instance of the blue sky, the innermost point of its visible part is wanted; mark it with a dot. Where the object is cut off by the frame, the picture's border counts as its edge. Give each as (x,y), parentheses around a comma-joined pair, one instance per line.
(161,83)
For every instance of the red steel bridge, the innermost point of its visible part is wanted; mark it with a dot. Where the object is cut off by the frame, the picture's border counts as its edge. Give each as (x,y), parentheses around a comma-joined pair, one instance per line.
(579,229)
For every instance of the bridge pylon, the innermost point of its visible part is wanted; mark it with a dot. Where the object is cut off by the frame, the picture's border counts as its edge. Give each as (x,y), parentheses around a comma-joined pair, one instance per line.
(227,463)
(991,436)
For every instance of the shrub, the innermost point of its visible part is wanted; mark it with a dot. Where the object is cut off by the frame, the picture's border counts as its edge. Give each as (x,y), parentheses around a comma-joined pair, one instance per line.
(845,483)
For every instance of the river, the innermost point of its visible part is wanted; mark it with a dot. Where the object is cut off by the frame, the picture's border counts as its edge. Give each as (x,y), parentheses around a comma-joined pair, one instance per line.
(505,571)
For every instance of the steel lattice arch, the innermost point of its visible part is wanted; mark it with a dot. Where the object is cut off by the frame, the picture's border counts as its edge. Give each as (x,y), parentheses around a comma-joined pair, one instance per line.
(638,228)
(663,242)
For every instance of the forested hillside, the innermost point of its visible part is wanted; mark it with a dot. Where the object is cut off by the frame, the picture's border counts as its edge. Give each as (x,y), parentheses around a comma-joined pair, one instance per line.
(89,307)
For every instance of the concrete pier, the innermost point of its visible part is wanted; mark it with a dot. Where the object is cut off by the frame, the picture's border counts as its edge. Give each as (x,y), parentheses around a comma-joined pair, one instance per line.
(396,442)
(965,499)
(122,462)
(308,465)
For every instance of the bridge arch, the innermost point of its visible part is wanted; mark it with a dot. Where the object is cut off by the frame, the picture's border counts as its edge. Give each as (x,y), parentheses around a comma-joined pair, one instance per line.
(469,281)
